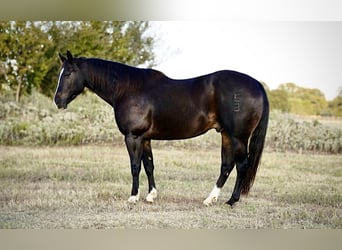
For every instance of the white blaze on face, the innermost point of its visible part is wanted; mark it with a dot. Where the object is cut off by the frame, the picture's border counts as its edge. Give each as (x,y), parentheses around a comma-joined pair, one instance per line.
(59,78)
(213,196)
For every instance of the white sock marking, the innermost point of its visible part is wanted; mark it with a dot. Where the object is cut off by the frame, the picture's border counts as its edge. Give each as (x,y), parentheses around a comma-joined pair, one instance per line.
(213,196)
(152,195)
(134,198)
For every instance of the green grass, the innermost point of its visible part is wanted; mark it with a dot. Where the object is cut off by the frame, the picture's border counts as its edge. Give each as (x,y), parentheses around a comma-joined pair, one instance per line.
(87,187)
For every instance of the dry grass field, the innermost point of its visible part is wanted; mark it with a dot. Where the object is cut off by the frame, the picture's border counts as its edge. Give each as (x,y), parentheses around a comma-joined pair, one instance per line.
(87,187)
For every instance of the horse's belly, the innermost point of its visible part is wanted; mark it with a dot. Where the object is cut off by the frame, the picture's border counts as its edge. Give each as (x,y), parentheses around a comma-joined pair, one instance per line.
(182,127)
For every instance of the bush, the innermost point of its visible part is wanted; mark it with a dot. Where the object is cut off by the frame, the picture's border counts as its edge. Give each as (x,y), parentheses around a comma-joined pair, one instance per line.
(287,134)
(38,122)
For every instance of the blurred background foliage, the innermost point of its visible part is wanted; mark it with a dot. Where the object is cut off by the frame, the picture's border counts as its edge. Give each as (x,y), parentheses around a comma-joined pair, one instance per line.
(291,98)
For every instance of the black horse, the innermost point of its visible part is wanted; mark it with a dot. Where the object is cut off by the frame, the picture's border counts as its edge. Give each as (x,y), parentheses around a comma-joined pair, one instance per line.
(149,105)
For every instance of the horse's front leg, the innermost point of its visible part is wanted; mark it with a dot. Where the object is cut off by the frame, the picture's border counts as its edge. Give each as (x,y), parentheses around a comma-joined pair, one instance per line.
(135,149)
(147,159)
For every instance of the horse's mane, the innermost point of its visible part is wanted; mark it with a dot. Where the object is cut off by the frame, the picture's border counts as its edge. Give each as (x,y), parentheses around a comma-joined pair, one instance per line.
(109,74)
(103,72)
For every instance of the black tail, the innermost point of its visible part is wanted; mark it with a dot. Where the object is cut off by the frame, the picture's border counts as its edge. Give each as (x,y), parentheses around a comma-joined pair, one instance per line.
(255,149)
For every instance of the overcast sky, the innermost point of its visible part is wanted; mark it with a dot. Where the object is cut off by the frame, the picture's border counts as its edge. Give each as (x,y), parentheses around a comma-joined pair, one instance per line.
(306,53)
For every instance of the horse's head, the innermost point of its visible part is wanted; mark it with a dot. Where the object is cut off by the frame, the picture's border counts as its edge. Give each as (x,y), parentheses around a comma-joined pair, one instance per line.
(70,82)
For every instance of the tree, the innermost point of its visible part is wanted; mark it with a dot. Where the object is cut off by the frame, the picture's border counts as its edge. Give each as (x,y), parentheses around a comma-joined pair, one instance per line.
(279,100)
(28,50)
(22,52)
(335,106)
(304,101)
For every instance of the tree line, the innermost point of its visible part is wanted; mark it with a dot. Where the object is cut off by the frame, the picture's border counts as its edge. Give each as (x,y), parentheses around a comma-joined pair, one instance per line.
(28,50)
(291,98)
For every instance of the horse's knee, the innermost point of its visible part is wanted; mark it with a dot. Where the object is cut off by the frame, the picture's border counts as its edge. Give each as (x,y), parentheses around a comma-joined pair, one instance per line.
(135,170)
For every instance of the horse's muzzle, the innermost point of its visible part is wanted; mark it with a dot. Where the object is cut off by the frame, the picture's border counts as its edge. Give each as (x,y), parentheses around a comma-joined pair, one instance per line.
(60,104)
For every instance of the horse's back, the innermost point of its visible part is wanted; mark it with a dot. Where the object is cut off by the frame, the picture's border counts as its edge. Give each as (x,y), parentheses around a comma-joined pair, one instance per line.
(224,100)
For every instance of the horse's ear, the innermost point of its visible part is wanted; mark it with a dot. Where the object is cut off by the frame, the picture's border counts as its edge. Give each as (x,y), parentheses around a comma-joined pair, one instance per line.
(63,58)
(69,56)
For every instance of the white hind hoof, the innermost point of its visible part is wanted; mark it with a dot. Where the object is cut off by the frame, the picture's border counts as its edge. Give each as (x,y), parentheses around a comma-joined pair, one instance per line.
(209,201)
(213,196)
(151,195)
(133,199)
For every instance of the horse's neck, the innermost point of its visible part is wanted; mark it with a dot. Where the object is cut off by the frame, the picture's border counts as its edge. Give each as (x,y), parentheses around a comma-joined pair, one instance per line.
(101,84)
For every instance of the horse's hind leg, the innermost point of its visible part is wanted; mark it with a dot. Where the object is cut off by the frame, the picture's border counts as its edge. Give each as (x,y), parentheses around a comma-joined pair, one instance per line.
(241,168)
(227,165)
(147,159)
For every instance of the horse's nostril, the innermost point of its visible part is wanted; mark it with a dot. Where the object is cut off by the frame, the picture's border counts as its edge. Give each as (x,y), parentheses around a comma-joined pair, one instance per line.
(58,102)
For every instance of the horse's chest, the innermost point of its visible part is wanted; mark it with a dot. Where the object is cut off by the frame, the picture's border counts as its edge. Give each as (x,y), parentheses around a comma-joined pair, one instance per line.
(133,117)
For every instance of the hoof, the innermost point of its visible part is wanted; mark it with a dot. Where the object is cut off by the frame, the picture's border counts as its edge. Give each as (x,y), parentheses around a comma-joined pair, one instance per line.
(151,195)
(213,196)
(133,199)
(232,201)
(209,201)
